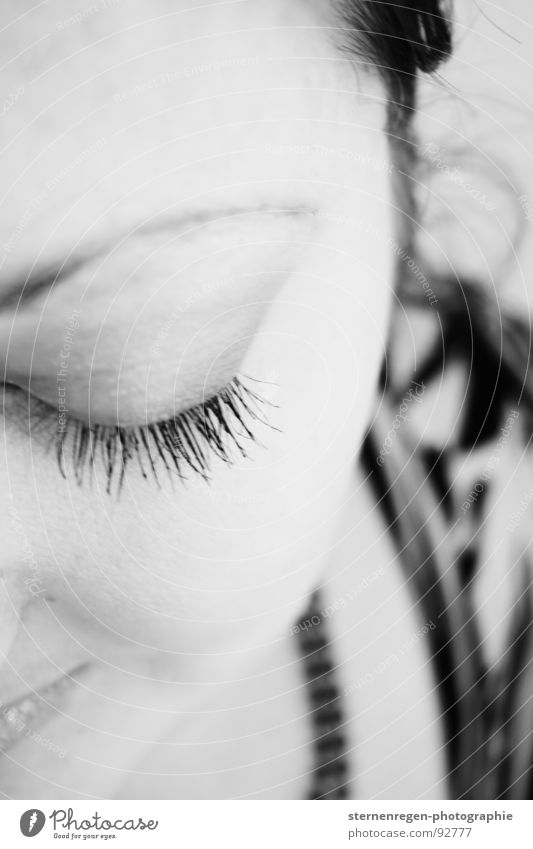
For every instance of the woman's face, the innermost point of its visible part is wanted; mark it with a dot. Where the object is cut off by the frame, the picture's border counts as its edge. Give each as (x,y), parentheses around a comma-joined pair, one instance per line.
(188,195)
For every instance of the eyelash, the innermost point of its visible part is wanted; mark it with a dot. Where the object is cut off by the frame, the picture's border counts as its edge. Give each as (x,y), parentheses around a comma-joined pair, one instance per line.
(186,442)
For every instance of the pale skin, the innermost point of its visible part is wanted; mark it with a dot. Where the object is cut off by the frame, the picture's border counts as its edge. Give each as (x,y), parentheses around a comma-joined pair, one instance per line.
(223,132)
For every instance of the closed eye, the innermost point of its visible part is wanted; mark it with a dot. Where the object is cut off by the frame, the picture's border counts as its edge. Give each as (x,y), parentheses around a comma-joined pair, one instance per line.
(186,443)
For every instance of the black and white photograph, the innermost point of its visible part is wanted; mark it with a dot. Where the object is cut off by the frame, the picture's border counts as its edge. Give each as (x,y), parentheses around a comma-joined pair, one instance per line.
(266,473)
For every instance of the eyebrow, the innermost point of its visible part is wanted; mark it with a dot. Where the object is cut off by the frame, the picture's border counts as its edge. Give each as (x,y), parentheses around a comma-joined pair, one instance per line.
(27,288)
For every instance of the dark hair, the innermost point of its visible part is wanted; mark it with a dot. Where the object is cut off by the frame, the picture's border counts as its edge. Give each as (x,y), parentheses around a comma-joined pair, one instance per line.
(400,39)
(485,711)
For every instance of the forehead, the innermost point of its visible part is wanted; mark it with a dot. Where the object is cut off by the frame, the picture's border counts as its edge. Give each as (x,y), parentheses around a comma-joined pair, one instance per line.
(116,109)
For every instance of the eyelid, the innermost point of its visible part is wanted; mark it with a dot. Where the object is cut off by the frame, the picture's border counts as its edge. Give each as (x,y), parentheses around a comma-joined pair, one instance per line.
(113,376)
(26,289)
(185,443)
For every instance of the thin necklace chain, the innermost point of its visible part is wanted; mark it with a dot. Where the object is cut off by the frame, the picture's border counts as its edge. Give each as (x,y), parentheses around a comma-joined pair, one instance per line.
(330,771)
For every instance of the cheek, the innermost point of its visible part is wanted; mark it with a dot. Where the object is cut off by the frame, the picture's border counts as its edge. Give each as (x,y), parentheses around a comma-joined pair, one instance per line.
(226,564)
(316,358)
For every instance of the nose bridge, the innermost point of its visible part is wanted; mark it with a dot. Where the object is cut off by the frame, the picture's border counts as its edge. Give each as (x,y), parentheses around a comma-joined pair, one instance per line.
(11,605)
(21,569)
(14,593)
(20,551)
